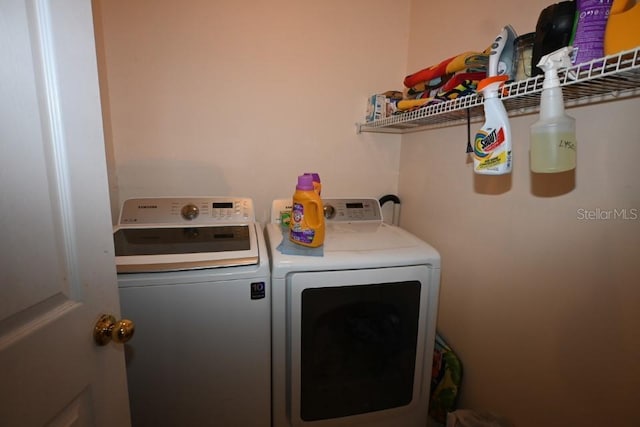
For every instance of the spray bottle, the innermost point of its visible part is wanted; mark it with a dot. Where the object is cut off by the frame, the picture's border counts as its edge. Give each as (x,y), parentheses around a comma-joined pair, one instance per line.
(553,136)
(492,146)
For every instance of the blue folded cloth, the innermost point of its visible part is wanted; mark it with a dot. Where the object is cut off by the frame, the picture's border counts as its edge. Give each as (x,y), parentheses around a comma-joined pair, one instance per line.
(287,247)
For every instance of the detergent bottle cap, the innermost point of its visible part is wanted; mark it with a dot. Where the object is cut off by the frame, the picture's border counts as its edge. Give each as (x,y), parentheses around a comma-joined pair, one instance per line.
(491,85)
(550,64)
(305,182)
(317,185)
(315,177)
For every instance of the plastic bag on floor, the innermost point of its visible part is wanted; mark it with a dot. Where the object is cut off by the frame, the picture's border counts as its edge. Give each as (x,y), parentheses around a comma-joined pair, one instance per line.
(446,377)
(468,418)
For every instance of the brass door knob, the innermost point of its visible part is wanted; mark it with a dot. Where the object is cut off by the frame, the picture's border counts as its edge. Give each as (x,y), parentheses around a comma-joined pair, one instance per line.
(107,329)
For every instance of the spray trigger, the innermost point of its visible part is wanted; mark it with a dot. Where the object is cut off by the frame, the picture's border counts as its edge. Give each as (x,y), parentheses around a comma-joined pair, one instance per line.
(557,59)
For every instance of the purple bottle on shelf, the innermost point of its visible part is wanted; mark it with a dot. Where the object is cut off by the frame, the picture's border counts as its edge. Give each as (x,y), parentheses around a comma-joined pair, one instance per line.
(589,28)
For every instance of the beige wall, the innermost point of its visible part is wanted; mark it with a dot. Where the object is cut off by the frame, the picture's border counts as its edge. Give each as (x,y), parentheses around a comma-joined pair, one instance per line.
(541,305)
(239,97)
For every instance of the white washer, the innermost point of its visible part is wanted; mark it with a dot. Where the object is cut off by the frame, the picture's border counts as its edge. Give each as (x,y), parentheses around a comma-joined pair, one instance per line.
(193,275)
(353,323)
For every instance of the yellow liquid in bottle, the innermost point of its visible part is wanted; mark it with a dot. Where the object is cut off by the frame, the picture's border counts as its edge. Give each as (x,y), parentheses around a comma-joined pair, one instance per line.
(553,152)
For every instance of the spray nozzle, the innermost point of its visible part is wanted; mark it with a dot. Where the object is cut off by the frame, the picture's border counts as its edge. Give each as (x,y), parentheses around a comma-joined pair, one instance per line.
(557,59)
(491,85)
(550,64)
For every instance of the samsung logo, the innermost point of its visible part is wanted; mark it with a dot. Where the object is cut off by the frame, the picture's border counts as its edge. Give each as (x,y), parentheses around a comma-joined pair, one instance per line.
(147,206)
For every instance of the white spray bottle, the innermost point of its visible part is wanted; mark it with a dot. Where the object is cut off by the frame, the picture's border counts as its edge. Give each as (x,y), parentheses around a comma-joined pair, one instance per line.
(553,136)
(492,145)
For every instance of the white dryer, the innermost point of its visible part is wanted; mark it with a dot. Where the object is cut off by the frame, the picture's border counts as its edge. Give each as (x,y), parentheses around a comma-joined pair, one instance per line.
(353,322)
(193,275)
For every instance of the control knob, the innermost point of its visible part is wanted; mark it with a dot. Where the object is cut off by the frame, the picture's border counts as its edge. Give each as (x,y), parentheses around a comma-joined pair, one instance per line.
(329,211)
(189,212)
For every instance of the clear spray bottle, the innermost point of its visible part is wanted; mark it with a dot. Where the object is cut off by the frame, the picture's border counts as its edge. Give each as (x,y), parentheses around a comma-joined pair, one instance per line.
(553,136)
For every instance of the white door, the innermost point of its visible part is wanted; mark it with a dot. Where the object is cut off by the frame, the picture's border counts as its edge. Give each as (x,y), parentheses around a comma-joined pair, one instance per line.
(57,271)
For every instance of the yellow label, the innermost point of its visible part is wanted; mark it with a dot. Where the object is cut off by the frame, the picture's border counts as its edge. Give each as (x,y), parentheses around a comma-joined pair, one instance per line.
(492,161)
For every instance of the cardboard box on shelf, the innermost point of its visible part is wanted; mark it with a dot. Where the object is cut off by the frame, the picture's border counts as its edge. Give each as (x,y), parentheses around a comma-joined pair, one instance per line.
(376,108)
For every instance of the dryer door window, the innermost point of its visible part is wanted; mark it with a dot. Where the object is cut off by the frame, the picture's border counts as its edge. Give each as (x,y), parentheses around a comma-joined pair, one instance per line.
(358,349)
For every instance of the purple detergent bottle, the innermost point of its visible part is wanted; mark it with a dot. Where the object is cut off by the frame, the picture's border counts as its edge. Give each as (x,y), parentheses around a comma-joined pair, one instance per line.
(590,25)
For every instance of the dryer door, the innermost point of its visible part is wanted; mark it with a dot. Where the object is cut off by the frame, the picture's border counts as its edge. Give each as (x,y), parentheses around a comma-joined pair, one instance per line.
(357,344)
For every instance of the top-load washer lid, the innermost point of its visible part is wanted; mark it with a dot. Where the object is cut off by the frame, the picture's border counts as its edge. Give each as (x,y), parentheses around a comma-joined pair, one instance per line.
(169,234)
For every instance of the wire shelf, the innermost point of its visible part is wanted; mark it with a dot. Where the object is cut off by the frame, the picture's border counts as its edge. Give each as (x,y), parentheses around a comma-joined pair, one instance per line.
(604,79)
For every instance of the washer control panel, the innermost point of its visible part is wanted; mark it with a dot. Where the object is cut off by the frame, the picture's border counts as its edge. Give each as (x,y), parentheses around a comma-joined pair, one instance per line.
(186,211)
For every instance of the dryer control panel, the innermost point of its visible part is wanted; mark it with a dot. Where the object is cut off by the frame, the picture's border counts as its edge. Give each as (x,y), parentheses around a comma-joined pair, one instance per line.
(335,210)
(352,210)
(190,211)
